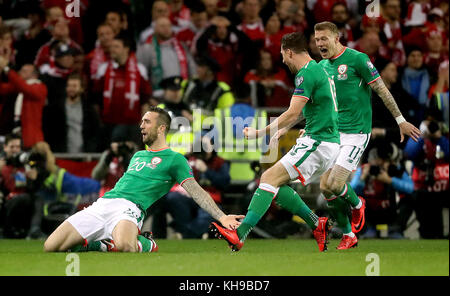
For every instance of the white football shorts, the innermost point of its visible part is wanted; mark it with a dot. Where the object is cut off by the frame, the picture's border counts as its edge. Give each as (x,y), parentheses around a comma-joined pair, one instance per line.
(309,159)
(352,148)
(98,221)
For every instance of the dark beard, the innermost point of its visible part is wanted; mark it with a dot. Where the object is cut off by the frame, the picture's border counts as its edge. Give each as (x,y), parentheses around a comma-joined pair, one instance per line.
(151,138)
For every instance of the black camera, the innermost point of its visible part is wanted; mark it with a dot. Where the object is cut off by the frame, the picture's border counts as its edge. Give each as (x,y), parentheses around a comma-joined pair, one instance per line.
(374,170)
(19,160)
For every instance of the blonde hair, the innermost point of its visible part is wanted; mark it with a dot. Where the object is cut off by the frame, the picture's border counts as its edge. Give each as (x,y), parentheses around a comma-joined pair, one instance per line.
(327,26)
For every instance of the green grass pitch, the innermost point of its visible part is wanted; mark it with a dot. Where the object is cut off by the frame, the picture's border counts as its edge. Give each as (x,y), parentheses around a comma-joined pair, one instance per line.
(259,257)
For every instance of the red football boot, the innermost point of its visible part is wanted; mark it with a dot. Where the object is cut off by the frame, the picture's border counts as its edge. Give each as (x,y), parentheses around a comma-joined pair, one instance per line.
(321,233)
(358,217)
(229,235)
(347,242)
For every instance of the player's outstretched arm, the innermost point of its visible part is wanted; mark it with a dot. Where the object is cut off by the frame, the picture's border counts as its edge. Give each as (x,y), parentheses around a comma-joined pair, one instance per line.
(286,120)
(204,200)
(406,128)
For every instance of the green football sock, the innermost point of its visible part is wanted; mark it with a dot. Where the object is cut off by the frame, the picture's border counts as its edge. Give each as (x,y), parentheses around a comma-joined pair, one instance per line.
(339,211)
(259,205)
(95,246)
(349,195)
(145,243)
(289,199)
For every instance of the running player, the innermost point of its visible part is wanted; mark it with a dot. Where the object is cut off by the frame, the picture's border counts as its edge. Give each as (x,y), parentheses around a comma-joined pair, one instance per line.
(312,155)
(355,77)
(118,215)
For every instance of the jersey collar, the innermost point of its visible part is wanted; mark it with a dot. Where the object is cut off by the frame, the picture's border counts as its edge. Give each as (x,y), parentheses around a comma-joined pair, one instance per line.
(339,54)
(159,150)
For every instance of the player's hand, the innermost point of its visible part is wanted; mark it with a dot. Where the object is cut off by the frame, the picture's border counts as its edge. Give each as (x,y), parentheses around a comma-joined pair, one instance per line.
(231,221)
(410,130)
(250,133)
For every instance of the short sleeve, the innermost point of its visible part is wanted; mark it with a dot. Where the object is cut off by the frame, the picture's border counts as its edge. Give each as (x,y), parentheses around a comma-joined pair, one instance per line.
(180,169)
(303,87)
(366,69)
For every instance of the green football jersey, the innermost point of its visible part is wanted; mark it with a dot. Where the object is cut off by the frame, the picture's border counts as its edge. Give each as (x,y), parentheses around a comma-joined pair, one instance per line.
(353,72)
(150,176)
(313,84)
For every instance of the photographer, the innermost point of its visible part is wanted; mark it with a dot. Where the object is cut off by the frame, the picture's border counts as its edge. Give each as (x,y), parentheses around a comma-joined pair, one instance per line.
(22,176)
(430,156)
(114,162)
(379,181)
(189,220)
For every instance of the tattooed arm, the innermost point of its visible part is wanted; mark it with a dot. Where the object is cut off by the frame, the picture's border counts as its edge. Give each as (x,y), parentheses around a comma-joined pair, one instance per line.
(204,200)
(406,128)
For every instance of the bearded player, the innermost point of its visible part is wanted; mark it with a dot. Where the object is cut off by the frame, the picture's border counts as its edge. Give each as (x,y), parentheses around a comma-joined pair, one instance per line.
(312,155)
(114,221)
(355,77)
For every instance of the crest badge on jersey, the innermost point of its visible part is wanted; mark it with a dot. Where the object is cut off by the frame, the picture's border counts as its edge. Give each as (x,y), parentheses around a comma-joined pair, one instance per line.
(299,80)
(154,162)
(342,70)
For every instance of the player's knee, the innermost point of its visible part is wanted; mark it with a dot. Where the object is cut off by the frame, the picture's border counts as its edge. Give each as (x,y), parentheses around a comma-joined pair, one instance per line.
(126,247)
(50,246)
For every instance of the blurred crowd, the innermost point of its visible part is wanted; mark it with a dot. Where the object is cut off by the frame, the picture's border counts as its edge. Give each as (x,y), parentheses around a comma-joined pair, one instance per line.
(76,77)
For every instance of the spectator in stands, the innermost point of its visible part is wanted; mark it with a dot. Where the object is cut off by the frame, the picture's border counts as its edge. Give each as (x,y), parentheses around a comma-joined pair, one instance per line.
(29,95)
(114,162)
(172,98)
(340,17)
(33,38)
(212,173)
(54,75)
(123,91)
(270,84)
(197,24)
(272,40)
(379,181)
(415,78)
(417,13)
(180,14)
(394,49)
(6,44)
(299,21)
(212,8)
(81,120)
(430,156)
(438,104)
(434,55)
(369,44)
(252,24)
(100,54)
(286,10)
(229,47)
(164,56)
(60,35)
(159,9)
(22,176)
(118,21)
(205,91)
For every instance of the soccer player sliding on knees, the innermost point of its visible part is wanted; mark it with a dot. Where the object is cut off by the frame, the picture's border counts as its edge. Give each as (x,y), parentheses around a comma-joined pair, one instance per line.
(311,157)
(114,221)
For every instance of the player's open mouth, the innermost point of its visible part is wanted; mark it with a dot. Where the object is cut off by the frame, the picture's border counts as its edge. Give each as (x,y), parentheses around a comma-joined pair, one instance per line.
(323,50)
